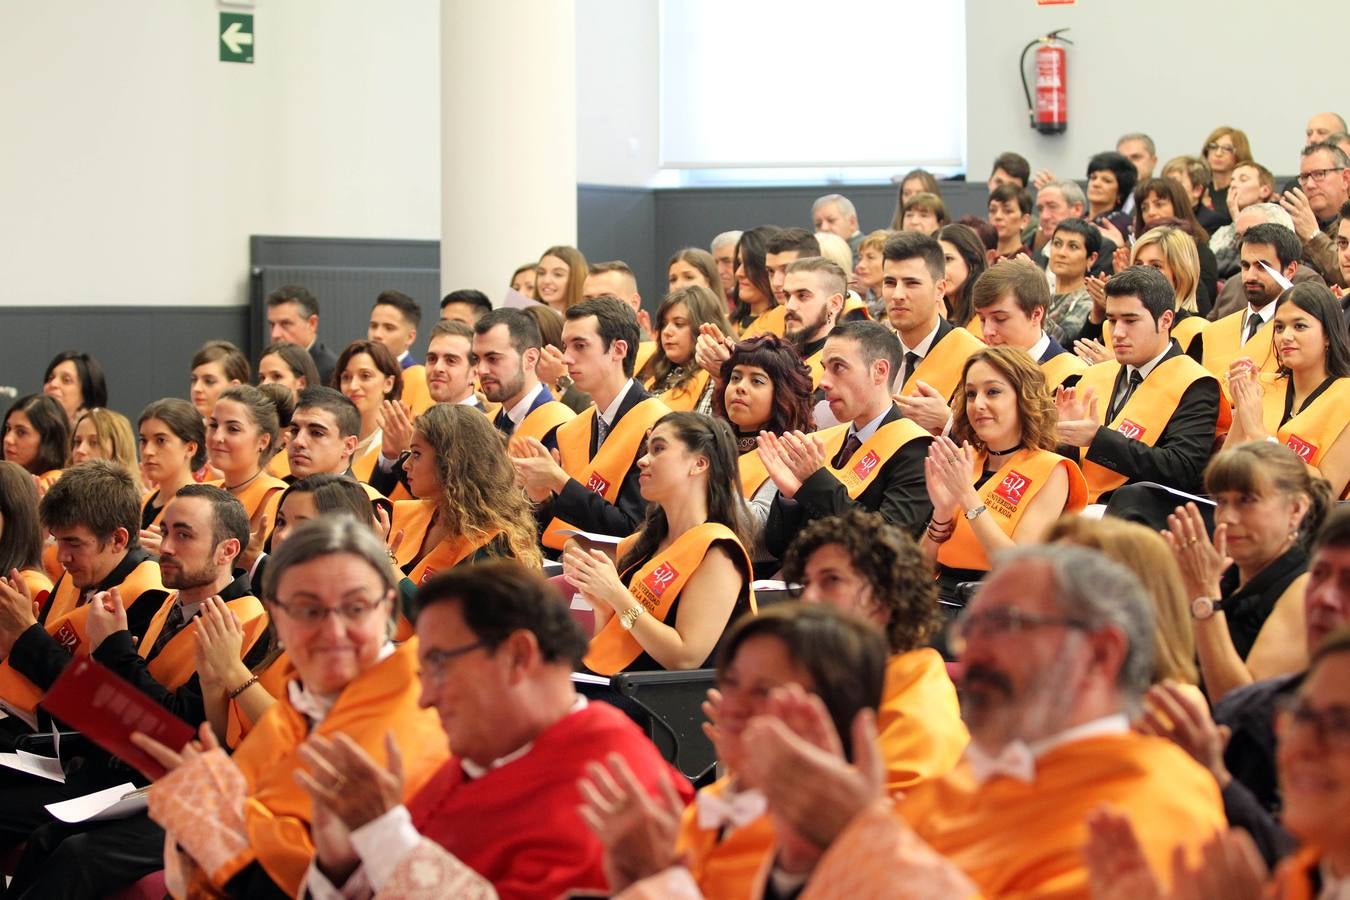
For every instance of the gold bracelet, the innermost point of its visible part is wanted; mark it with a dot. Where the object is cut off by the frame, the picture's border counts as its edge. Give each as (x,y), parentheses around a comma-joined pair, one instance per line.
(629,616)
(243,687)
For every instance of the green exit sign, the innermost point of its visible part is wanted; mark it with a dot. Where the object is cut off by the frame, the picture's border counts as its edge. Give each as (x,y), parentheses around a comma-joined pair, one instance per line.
(236,37)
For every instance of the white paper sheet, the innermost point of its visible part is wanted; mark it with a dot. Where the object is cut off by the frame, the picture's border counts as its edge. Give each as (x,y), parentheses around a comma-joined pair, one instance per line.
(768,584)
(591,536)
(41,766)
(113,803)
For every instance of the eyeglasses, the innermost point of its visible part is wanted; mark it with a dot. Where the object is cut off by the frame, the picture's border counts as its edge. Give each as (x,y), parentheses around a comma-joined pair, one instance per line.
(1221,148)
(1318,175)
(434,661)
(1331,726)
(353,613)
(993,622)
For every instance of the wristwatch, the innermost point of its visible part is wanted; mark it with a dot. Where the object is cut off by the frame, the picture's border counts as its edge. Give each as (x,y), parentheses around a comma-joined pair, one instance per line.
(976,512)
(1204,607)
(631,615)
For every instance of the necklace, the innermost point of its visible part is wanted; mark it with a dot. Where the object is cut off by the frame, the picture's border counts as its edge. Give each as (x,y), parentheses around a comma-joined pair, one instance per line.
(993,452)
(232,488)
(746,442)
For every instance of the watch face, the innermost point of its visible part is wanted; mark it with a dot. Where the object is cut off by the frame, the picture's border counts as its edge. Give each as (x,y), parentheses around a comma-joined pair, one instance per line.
(1202,607)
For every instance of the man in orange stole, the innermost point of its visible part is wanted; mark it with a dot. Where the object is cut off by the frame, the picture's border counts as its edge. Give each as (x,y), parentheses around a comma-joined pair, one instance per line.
(500,818)
(204,529)
(506,350)
(1011,299)
(814,289)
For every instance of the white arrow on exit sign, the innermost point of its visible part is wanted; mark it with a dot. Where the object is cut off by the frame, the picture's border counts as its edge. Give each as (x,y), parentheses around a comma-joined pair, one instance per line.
(235,37)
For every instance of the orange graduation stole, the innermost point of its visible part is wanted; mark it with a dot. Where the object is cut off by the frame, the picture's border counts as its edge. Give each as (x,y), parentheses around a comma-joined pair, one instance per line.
(816,364)
(645,351)
(919,727)
(277,813)
(273,680)
(46,480)
(176,662)
(941,368)
(415,395)
(1146,413)
(753,473)
(854,304)
(1057,368)
(263,492)
(861,469)
(67,624)
(1008,494)
(656,585)
(543,419)
(771,321)
(976,326)
(604,473)
(1313,429)
(1223,344)
(279,466)
(686,397)
(724,864)
(413,518)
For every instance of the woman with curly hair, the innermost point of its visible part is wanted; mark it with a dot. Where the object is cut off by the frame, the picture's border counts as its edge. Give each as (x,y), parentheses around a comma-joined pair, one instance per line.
(997,481)
(671,371)
(468,507)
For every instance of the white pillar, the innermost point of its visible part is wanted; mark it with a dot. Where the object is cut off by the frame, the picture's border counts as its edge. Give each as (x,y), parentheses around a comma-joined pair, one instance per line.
(508,137)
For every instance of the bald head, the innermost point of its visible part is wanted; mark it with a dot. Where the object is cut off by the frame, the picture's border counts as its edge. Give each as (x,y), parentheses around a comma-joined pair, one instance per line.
(1324,125)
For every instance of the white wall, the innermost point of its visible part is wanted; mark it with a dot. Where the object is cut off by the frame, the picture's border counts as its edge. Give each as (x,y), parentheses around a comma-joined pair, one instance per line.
(1171,68)
(134,165)
(618,86)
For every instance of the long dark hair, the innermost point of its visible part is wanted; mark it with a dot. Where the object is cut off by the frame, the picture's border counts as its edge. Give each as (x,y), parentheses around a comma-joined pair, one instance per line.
(971,249)
(703,306)
(750,255)
(1175,194)
(20,534)
(791,382)
(1317,301)
(713,439)
(48,419)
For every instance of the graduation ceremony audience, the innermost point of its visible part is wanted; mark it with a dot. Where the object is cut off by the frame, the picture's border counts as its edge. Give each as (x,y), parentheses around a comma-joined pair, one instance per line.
(954,556)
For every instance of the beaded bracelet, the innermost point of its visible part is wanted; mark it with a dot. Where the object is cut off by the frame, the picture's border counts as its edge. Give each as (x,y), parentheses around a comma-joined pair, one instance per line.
(243,687)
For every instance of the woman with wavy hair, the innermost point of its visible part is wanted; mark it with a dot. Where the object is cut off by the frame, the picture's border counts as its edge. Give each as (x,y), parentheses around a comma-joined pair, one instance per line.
(997,481)
(694,265)
(468,507)
(672,372)
(687,572)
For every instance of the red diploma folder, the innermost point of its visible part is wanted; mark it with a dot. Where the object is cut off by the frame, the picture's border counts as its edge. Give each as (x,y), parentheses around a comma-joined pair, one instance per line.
(106,709)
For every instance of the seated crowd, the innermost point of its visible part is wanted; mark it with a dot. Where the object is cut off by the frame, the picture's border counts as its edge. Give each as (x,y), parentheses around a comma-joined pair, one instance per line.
(1011,545)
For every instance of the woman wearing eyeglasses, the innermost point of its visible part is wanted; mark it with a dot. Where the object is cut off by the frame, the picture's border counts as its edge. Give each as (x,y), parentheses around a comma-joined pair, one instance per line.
(1223,150)
(240,826)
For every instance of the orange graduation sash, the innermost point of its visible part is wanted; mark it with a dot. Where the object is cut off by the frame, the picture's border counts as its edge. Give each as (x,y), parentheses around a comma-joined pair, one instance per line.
(1146,413)
(1223,344)
(176,662)
(753,473)
(816,363)
(1313,429)
(604,473)
(854,304)
(273,680)
(686,397)
(656,585)
(645,351)
(413,518)
(543,419)
(46,480)
(1057,368)
(861,469)
(724,864)
(976,326)
(941,368)
(279,466)
(264,492)
(415,395)
(1007,495)
(919,727)
(771,321)
(67,623)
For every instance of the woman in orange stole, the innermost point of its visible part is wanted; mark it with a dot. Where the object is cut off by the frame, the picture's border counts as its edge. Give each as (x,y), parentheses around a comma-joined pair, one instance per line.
(241,435)
(997,481)
(172,438)
(37,437)
(1303,405)
(757,310)
(686,574)
(671,372)
(367,374)
(240,826)
(20,532)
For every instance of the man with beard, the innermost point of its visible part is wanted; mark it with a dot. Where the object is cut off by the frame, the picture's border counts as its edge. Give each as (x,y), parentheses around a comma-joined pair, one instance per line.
(204,528)
(1057,648)
(506,350)
(814,289)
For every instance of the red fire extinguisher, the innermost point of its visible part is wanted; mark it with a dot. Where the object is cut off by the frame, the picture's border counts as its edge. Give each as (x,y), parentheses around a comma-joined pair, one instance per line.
(1049,114)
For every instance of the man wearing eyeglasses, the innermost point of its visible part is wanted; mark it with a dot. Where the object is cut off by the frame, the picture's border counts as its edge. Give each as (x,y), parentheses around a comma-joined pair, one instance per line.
(1315,204)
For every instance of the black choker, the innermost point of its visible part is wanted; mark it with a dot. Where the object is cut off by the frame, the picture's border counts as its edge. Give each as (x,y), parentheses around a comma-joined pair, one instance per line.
(992,452)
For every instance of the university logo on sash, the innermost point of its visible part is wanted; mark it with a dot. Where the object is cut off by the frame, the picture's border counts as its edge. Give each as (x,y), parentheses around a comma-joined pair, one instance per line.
(1305,450)
(67,637)
(426,576)
(1013,486)
(1132,430)
(865,465)
(661,578)
(597,483)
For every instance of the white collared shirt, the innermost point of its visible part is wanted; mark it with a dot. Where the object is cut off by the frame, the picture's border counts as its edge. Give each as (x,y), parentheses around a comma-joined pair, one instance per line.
(869,429)
(1149,366)
(1038,349)
(518,412)
(609,412)
(1264,313)
(404,357)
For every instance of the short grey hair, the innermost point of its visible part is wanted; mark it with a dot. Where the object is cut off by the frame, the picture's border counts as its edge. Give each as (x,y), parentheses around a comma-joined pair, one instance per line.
(1073,194)
(845,205)
(327,536)
(1272,213)
(1339,156)
(1139,136)
(726,237)
(1100,593)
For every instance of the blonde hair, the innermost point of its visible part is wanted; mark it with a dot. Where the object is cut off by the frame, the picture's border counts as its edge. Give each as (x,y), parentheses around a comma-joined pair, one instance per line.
(836,250)
(115,439)
(1178,248)
(1144,552)
(875,241)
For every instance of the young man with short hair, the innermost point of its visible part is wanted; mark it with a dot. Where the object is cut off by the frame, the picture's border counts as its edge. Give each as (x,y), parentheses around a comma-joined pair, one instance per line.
(1011,298)
(393,322)
(1150,414)
(293,315)
(506,350)
(466,305)
(814,288)
(786,246)
(616,279)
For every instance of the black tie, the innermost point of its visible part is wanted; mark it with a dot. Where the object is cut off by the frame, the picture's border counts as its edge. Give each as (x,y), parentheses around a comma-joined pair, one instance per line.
(851,445)
(172,625)
(912,361)
(1254,324)
(504,423)
(1135,380)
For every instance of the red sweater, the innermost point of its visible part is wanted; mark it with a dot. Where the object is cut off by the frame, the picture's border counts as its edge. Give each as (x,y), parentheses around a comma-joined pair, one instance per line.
(517,825)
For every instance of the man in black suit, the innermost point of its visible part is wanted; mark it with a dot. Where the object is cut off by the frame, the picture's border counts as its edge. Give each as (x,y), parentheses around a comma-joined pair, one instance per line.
(293,315)
(600,338)
(860,360)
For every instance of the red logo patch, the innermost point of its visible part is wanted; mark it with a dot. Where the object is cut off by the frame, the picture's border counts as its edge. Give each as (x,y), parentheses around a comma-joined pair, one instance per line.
(867,464)
(1013,486)
(1305,450)
(1132,430)
(67,637)
(661,578)
(597,483)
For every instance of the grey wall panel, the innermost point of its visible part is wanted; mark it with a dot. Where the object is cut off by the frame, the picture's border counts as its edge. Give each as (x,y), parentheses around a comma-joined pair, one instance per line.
(273,250)
(145,351)
(620,223)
